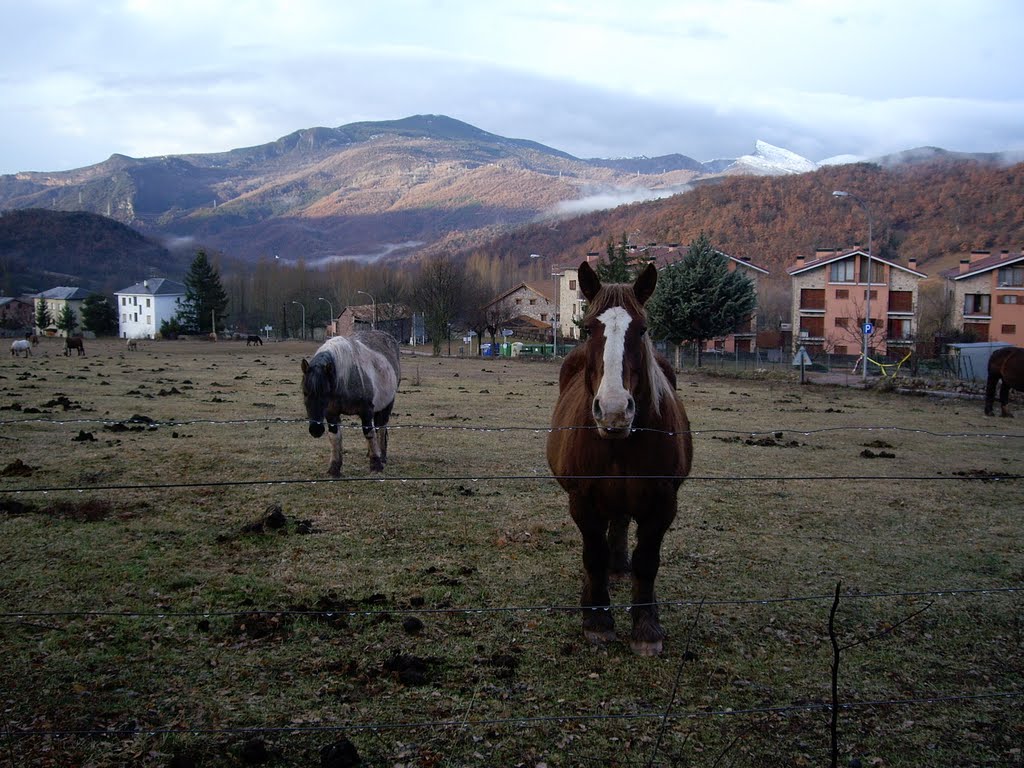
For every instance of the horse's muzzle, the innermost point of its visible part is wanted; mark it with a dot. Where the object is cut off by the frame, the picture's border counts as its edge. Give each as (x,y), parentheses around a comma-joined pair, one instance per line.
(316,428)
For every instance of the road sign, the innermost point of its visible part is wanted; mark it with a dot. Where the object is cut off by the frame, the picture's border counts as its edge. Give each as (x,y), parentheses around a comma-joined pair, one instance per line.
(506,332)
(801,357)
(869,328)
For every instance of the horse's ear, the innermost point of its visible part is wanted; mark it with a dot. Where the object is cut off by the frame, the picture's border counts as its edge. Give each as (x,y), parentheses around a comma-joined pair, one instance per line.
(305,366)
(644,285)
(590,283)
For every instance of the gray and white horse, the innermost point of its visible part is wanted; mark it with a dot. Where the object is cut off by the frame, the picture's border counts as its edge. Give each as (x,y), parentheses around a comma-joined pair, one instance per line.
(21,345)
(354,375)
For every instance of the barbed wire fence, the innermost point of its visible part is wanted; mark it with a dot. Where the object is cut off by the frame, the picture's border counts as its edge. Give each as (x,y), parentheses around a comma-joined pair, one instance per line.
(1013,690)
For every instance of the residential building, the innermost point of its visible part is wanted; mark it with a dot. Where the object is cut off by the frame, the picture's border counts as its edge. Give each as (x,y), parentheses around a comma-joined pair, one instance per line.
(527,309)
(16,312)
(395,319)
(56,299)
(830,295)
(987,296)
(143,307)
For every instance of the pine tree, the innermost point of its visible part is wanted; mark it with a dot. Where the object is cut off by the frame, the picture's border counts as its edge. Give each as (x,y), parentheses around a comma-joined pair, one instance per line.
(698,298)
(620,267)
(99,315)
(66,320)
(204,296)
(43,318)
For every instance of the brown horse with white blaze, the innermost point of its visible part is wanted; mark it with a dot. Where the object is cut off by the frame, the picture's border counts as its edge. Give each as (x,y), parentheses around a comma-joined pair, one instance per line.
(620,446)
(1005,365)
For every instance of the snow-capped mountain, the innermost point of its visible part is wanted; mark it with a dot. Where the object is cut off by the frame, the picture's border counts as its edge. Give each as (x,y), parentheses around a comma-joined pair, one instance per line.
(772,160)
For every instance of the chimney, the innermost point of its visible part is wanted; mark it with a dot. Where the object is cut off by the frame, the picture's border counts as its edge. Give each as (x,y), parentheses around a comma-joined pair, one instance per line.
(145,283)
(822,253)
(799,261)
(912,263)
(978,255)
(965,264)
(745,258)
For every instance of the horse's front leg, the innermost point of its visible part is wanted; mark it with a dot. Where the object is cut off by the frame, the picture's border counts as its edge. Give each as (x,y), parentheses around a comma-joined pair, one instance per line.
(618,530)
(334,435)
(598,623)
(648,633)
(1004,400)
(372,442)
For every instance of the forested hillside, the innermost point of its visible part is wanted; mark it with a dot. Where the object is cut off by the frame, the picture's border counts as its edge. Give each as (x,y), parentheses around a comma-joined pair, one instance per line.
(40,249)
(929,212)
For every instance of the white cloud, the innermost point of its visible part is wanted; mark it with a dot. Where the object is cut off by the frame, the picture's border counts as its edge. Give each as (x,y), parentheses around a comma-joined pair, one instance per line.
(590,77)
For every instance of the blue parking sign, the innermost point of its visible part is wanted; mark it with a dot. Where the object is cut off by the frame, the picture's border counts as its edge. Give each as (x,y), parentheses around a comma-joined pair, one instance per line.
(869,328)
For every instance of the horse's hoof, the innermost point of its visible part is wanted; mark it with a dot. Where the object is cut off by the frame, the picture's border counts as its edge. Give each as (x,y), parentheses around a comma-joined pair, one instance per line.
(646,647)
(599,637)
(1006,415)
(334,470)
(376,465)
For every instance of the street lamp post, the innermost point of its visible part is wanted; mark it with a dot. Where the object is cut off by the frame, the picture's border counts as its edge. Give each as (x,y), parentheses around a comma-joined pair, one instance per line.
(867,293)
(373,306)
(303,318)
(330,307)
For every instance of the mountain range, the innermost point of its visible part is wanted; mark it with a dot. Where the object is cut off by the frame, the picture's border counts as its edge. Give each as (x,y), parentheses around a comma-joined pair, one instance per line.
(395,190)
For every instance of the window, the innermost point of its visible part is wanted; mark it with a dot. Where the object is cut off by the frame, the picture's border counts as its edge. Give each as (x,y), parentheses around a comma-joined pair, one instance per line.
(815,326)
(977,304)
(901,301)
(532,302)
(978,330)
(841,349)
(572,285)
(812,298)
(874,295)
(543,317)
(1008,329)
(842,293)
(124,301)
(1012,276)
(1007,298)
(842,271)
(147,301)
(149,319)
(842,322)
(519,301)
(898,329)
(877,270)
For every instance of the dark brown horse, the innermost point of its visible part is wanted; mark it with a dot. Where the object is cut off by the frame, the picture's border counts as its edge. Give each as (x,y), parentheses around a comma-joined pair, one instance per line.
(620,447)
(74,342)
(1006,364)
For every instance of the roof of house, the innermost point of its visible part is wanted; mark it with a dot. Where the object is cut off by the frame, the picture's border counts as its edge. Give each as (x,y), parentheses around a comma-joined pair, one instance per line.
(9,299)
(840,255)
(542,292)
(983,265)
(62,292)
(154,286)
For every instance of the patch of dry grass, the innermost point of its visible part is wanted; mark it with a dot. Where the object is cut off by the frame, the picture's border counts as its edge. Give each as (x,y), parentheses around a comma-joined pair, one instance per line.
(312,624)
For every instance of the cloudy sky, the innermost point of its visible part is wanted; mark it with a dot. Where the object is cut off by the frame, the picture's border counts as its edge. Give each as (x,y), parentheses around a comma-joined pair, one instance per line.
(597,78)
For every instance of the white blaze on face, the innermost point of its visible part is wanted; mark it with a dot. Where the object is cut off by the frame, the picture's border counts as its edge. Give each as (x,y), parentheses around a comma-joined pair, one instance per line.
(613,405)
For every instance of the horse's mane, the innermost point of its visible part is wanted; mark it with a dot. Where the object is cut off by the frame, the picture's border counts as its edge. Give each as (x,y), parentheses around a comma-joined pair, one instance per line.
(621,295)
(337,352)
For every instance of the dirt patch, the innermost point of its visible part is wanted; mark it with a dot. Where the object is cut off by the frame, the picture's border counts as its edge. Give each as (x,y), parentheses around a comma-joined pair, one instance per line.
(17,468)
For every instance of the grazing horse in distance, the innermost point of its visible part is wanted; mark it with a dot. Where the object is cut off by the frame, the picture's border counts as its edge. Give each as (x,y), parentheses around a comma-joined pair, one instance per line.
(620,447)
(133,345)
(1005,364)
(74,342)
(253,340)
(354,375)
(21,345)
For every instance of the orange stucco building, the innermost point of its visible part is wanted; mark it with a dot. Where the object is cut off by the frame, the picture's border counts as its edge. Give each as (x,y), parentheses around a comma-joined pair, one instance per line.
(987,296)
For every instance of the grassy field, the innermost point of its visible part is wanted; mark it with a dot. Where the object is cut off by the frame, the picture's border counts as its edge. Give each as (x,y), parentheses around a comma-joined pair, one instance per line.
(183,584)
